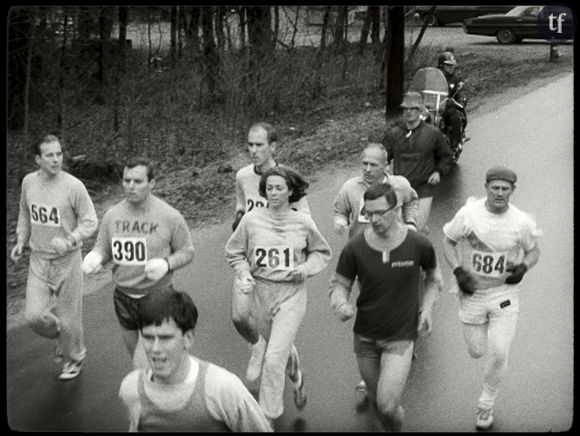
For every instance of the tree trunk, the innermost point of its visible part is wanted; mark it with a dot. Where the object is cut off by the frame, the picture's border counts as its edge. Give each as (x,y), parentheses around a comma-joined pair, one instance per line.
(19,30)
(317,86)
(260,43)
(364,32)
(426,20)
(105,29)
(192,30)
(395,56)
(339,27)
(210,53)
(173,37)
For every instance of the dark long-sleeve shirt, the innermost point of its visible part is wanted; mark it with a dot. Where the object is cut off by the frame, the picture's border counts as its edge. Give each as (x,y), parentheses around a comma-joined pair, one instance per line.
(418,153)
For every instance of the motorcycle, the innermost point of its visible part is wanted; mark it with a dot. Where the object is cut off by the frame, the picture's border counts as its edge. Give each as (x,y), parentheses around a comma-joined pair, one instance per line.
(432,85)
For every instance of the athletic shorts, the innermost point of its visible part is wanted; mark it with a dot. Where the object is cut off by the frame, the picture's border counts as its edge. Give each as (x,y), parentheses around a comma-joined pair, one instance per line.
(368,348)
(126,309)
(489,303)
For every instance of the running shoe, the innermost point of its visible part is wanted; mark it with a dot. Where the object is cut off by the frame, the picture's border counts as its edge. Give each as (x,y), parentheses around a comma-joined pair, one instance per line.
(71,369)
(299,392)
(484,419)
(255,364)
(58,353)
(361,387)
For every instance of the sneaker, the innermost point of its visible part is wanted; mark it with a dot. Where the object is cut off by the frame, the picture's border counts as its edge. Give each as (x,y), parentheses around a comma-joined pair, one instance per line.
(71,369)
(484,419)
(58,353)
(255,364)
(361,387)
(299,392)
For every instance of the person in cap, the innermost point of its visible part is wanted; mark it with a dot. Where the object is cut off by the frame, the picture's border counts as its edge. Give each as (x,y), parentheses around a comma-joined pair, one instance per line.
(420,152)
(499,245)
(454,113)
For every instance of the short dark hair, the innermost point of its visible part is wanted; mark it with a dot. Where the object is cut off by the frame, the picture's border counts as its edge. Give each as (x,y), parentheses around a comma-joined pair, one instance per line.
(161,305)
(271,132)
(294,181)
(45,140)
(377,190)
(142,161)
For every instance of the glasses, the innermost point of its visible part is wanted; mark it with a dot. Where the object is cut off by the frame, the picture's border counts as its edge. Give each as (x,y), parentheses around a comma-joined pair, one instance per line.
(379,213)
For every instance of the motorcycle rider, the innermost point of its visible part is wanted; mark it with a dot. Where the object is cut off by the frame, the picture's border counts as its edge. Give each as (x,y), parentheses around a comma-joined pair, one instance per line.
(454,114)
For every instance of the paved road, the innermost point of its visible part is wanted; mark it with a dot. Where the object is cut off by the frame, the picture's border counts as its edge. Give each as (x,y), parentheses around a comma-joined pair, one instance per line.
(533,134)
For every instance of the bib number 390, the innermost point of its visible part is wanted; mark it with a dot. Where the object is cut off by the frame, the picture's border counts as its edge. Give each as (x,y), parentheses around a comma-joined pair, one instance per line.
(129,251)
(488,264)
(275,258)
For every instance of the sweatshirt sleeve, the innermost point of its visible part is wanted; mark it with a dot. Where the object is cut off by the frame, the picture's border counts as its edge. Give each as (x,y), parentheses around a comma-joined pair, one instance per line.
(23,226)
(87,222)
(442,154)
(410,202)
(237,246)
(240,197)
(318,251)
(341,204)
(181,244)
(230,402)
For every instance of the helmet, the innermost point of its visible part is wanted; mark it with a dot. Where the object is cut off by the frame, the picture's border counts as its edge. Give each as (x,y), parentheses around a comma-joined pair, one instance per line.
(446,58)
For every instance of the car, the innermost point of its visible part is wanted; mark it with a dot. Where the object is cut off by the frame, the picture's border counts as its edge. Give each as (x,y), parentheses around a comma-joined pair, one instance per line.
(456,14)
(519,23)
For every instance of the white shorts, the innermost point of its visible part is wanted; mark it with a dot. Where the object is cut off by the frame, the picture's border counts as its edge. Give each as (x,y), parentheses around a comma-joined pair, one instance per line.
(488,303)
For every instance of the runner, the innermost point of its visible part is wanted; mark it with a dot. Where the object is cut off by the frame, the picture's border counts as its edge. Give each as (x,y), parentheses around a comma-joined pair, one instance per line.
(420,151)
(56,216)
(262,139)
(273,251)
(387,259)
(180,392)
(349,201)
(147,240)
(501,245)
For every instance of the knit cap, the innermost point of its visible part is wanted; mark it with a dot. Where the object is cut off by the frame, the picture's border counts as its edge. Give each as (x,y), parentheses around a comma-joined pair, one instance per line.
(501,173)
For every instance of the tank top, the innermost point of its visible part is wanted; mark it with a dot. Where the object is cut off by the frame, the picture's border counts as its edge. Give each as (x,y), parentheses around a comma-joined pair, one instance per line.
(193,417)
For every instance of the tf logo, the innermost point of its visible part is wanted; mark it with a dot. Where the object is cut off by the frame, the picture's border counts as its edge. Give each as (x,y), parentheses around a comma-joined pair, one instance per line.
(556,23)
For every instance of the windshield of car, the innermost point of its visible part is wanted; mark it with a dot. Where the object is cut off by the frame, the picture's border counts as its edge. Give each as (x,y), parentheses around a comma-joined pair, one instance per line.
(519,11)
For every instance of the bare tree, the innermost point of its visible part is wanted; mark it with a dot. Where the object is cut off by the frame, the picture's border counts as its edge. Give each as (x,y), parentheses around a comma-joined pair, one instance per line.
(395,56)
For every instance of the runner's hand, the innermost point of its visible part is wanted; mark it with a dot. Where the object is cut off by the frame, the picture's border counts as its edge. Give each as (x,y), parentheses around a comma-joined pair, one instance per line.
(465,280)
(340,225)
(297,275)
(61,245)
(425,325)
(16,253)
(245,282)
(156,268)
(517,273)
(345,311)
(434,179)
(92,263)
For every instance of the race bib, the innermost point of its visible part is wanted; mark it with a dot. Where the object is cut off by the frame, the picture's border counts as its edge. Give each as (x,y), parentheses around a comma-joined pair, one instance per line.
(252,202)
(488,264)
(275,257)
(361,217)
(44,215)
(129,251)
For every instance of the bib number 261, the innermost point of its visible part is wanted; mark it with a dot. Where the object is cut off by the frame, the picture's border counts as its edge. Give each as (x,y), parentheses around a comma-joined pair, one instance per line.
(279,258)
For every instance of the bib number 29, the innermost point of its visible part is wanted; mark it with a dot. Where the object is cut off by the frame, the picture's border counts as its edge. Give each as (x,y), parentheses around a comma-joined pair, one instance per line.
(129,251)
